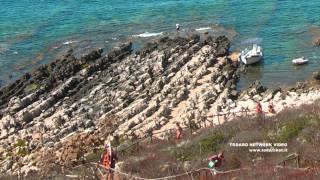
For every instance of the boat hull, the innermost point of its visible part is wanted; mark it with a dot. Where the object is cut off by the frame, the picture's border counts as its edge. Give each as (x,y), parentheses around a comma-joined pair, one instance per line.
(300,61)
(250,60)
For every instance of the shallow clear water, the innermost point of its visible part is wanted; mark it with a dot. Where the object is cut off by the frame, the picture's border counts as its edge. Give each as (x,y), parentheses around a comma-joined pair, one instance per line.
(32,32)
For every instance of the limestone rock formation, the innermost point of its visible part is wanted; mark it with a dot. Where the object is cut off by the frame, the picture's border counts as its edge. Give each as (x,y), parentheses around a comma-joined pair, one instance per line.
(182,79)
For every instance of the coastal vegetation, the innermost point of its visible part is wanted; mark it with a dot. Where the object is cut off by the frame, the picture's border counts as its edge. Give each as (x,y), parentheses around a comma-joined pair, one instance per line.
(297,127)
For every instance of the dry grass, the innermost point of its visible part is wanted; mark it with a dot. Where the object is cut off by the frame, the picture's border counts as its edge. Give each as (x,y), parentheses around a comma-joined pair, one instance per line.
(297,127)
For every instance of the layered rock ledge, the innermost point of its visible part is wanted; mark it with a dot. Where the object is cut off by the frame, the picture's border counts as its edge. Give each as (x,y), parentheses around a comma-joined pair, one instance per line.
(64,104)
(169,80)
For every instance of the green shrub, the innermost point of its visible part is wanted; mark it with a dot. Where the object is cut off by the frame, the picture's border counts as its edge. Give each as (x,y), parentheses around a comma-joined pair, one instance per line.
(290,129)
(212,142)
(31,88)
(21,143)
(85,66)
(185,152)
(22,147)
(22,151)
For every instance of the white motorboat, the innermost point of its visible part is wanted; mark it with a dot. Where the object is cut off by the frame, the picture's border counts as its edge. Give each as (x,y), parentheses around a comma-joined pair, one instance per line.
(251,56)
(300,61)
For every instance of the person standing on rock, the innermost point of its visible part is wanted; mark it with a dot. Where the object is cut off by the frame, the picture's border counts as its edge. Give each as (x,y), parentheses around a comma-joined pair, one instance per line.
(259,108)
(259,111)
(178,28)
(178,131)
(108,161)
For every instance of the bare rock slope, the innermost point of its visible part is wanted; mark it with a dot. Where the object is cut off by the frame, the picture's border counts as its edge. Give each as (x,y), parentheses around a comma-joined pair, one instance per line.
(170,80)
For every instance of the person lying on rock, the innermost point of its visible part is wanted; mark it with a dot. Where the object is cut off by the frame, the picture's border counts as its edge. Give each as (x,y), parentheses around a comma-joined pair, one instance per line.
(108,161)
(215,162)
(178,131)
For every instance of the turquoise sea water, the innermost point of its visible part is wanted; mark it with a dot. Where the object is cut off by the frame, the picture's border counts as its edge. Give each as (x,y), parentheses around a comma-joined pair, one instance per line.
(33,31)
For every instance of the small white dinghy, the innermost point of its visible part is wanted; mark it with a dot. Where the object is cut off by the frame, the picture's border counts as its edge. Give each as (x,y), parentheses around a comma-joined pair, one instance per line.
(300,61)
(251,56)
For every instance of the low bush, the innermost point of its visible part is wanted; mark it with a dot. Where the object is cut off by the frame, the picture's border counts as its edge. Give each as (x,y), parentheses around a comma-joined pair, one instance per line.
(21,143)
(185,151)
(31,88)
(212,142)
(290,129)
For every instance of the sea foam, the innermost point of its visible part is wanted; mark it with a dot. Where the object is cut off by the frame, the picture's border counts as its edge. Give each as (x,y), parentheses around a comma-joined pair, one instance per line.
(68,42)
(204,29)
(147,34)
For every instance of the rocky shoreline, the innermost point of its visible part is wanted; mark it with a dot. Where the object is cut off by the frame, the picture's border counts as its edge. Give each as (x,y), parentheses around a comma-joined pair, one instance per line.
(184,79)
